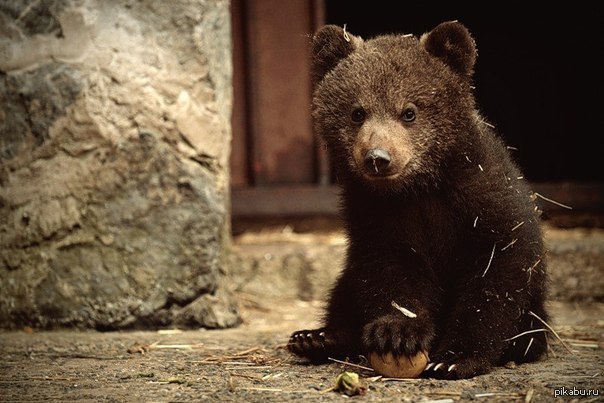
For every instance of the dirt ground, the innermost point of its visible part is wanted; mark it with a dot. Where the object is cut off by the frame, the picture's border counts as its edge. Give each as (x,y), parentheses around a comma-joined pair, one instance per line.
(251,364)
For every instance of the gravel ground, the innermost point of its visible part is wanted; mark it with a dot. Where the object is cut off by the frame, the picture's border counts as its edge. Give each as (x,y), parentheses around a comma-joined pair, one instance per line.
(250,364)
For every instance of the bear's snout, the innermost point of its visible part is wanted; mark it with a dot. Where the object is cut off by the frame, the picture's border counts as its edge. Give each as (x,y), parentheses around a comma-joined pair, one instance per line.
(377,161)
(381,151)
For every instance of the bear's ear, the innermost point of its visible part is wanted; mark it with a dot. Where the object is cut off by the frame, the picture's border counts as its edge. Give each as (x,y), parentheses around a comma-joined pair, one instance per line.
(452,43)
(329,45)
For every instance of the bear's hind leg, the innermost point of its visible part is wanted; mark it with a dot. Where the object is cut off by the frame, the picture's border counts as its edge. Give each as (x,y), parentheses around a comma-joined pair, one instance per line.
(473,338)
(340,336)
(475,345)
(530,343)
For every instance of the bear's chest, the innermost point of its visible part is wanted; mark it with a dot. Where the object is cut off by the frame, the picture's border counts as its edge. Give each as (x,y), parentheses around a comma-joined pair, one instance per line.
(430,226)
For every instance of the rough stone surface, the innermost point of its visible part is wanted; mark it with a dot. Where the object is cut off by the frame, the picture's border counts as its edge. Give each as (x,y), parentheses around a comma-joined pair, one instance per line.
(114,141)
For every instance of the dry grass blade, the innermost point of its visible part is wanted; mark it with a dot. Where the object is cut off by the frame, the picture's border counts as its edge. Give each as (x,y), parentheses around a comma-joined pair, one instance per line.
(518,226)
(263,389)
(583,343)
(350,364)
(509,245)
(143,348)
(490,260)
(552,201)
(525,333)
(248,368)
(551,330)
(403,310)
(248,351)
(497,394)
(251,356)
(175,346)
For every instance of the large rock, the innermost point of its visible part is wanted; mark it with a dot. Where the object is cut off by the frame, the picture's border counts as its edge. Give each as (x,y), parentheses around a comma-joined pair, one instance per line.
(114,140)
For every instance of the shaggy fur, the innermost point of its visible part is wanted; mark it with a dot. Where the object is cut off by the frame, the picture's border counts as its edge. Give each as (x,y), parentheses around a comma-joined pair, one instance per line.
(439,218)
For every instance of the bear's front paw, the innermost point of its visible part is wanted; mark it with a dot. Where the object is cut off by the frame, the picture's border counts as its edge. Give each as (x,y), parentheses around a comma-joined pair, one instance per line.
(398,335)
(316,345)
(452,365)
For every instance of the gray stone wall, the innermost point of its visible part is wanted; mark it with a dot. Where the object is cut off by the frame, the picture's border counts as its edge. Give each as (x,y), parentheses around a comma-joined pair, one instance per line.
(114,142)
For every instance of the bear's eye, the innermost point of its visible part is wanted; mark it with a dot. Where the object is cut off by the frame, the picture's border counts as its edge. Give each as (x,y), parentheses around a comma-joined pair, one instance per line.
(358,115)
(408,114)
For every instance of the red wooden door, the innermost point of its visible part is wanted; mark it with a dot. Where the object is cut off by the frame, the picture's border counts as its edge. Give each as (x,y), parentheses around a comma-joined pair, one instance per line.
(277,167)
(273,142)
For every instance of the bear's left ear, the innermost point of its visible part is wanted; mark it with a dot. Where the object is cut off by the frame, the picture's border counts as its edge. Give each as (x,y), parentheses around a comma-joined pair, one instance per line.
(452,43)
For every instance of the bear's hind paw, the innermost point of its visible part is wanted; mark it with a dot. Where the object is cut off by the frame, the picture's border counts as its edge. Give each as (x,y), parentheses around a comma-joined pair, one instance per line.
(321,344)
(315,345)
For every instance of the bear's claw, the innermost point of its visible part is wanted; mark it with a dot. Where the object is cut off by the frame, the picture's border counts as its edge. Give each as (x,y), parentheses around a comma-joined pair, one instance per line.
(441,371)
(455,366)
(311,344)
(321,344)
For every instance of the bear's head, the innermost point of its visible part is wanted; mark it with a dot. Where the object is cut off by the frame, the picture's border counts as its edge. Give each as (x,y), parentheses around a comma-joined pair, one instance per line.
(391,109)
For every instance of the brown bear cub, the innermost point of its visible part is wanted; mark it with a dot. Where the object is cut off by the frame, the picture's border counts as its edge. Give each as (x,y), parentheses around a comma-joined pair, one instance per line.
(445,251)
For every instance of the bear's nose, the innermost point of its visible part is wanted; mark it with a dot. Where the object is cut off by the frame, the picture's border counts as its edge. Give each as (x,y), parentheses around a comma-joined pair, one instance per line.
(377,160)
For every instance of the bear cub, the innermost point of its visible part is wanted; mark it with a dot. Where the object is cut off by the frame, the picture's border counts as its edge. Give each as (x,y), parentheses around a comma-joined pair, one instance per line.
(445,251)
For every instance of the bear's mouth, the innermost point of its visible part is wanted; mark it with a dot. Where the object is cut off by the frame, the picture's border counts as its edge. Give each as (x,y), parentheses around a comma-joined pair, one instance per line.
(379,175)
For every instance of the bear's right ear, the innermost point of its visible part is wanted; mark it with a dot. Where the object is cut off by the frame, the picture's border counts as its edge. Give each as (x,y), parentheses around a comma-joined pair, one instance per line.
(452,43)
(329,45)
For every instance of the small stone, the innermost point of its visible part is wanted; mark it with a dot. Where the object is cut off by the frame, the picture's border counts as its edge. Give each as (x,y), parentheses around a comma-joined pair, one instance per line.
(107,240)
